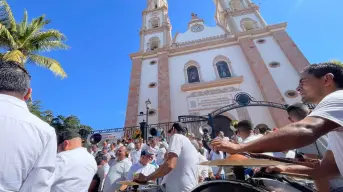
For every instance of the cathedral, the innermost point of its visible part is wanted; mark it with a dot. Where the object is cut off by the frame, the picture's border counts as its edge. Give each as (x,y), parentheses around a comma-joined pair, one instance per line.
(200,70)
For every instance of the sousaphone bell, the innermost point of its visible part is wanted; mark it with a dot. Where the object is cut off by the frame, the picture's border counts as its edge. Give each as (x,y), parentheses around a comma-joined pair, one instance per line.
(95,138)
(205,129)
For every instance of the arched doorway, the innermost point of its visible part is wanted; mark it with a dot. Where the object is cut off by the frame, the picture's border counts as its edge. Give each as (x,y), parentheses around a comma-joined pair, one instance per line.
(222,123)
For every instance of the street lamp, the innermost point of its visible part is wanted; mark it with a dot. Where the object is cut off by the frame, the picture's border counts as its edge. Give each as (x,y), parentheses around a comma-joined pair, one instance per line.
(145,125)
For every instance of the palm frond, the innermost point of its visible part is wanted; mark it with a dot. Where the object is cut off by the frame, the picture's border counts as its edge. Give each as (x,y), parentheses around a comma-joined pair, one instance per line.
(6,38)
(337,62)
(48,46)
(49,63)
(6,16)
(43,37)
(15,55)
(21,27)
(36,25)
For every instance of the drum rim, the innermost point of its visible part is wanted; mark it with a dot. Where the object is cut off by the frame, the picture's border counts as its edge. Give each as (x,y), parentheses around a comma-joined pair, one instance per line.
(243,183)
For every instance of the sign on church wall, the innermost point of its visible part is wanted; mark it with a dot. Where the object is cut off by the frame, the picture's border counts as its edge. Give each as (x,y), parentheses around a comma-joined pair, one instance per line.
(211,99)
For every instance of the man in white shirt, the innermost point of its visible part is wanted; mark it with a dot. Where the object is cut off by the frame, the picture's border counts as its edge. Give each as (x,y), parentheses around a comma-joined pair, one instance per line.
(118,172)
(204,171)
(28,163)
(103,169)
(143,166)
(136,152)
(181,163)
(319,84)
(75,167)
(245,131)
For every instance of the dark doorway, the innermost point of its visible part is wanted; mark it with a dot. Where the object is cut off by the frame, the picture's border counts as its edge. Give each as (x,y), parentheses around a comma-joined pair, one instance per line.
(222,123)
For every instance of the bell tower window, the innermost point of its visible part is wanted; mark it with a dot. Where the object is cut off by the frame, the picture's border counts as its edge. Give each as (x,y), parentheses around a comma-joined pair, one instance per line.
(154,23)
(248,24)
(154,43)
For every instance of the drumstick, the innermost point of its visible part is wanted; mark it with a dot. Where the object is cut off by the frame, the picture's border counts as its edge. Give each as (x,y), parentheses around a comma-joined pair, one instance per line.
(301,176)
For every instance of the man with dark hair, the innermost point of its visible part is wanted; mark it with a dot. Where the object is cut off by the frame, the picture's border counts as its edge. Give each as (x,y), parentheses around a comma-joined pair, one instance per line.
(246,132)
(262,129)
(319,84)
(181,163)
(28,163)
(72,175)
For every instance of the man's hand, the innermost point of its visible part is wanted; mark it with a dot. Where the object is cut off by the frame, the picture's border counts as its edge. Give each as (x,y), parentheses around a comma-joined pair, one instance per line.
(225,145)
(276,169)
(141,178)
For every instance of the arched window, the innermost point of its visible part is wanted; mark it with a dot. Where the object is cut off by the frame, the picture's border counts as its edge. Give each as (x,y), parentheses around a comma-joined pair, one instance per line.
(193,74)
(154,22)
(236,5)
(154,43)
(223,69)
(248,24)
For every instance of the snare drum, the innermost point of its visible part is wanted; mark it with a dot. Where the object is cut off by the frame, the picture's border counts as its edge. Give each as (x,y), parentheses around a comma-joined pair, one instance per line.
(282,185)
(227,186)
(145,189)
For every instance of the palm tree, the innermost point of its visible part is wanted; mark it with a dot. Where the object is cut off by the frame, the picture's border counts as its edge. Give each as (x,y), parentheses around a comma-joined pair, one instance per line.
(24,41)
(337,62)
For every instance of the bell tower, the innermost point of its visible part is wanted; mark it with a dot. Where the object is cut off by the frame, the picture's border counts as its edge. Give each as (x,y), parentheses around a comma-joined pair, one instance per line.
(239,15)
(150,67)
(156,29)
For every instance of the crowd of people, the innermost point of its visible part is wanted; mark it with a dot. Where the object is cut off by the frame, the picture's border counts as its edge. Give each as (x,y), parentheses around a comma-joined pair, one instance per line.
(38,160)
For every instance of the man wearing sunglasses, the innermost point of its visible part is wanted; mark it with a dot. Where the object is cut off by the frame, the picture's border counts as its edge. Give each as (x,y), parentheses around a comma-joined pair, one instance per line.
(180,165)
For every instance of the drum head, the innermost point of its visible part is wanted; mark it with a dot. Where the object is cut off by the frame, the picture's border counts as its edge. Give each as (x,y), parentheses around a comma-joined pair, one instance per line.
(227,186)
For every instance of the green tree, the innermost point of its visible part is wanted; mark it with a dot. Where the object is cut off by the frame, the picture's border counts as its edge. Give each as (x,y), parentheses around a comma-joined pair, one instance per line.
(24,41)
(62,123)
(35,108)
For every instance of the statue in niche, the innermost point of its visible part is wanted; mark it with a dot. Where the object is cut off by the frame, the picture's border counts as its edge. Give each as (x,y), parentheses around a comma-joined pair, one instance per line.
(193,75)
(223,69)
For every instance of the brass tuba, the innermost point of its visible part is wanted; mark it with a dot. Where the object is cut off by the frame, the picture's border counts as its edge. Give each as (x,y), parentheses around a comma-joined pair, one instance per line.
(233,125)
(205,129)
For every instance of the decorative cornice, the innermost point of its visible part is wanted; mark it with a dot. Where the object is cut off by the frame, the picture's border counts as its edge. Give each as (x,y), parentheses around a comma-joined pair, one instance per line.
(213,92)
(153,10)
(244,11)
(211,84)
(211,42)
(155,30)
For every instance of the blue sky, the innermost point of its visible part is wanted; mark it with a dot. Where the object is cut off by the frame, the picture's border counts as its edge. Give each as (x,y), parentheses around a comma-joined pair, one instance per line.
(103,33)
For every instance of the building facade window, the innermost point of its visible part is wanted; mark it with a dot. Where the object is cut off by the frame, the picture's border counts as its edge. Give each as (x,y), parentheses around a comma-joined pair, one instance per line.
(236,5)
(223,69)
(154,43)
(193,74)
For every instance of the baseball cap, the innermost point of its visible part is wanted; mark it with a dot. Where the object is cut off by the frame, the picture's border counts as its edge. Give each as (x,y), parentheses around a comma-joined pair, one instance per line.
(67,135)
(146,152)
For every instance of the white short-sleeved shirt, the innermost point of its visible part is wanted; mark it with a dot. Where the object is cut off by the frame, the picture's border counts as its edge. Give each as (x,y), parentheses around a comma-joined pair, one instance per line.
(215,156)
(160,156)
(135,155)
(255,137)
(139,168)
(75,170)
(28,148)
(331,108)
(184,176)
(102,172)
(203,170)
(118,172)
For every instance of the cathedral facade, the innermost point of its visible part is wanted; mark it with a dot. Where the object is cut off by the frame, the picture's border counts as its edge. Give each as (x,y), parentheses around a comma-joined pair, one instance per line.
(202,69)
